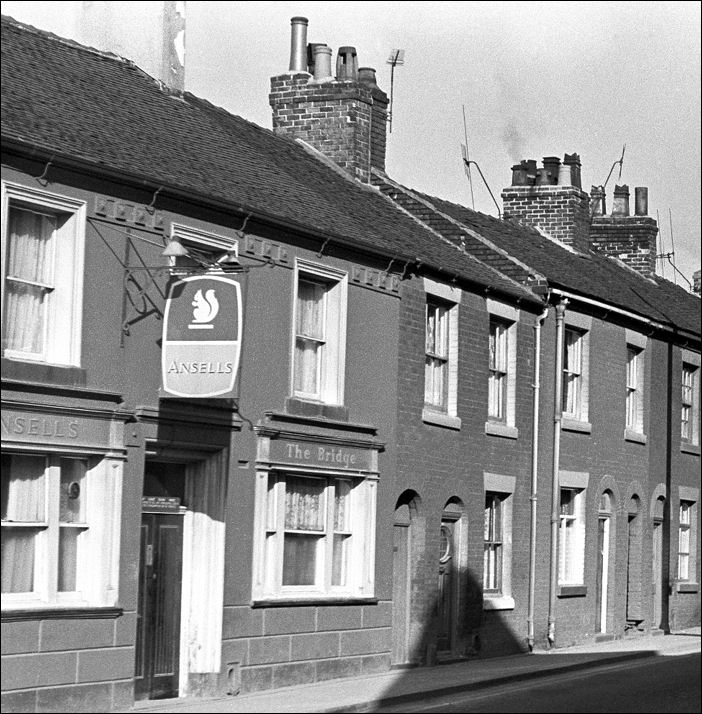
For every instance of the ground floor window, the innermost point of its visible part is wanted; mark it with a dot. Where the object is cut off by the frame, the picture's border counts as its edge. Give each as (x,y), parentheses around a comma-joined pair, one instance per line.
(60,529)
(317,536)
(571,542)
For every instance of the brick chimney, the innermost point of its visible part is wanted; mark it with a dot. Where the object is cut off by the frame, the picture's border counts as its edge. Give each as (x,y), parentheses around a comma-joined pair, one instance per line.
(631,239)
(550,198)
(343,116)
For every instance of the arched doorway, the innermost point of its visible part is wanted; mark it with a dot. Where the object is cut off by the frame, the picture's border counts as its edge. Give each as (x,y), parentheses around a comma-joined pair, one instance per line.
(634,594)
(658,573)
(402,544)
(451,586)
(605,557)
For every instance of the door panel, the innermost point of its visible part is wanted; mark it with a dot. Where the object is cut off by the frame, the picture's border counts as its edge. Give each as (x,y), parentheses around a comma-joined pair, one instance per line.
(158,617)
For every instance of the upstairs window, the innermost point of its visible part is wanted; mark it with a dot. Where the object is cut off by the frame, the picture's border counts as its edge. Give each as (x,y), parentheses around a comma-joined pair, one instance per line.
(42,281)
(634,389)
(437,355)
(497,392)
(689,404)
(319,334)
(572,373)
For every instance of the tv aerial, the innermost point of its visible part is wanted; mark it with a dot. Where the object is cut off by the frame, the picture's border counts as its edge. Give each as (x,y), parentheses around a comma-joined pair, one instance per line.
(396,58)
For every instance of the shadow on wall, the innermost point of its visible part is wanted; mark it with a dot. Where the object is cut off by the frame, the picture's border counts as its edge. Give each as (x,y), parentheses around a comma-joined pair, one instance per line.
(438,606)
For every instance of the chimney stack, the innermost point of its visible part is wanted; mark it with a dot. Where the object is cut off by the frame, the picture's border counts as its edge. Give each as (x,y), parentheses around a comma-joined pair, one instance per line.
(551,199)
(343,117)
(631,239)
(696,280)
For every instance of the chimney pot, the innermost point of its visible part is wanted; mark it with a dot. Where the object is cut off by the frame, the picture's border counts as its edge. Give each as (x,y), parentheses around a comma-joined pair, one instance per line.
(597,201)
(574,161)
(346,64)
(641,201)
(366,75)
(551,164)
(620,202)
(322,63)
(565,175)
(298,44)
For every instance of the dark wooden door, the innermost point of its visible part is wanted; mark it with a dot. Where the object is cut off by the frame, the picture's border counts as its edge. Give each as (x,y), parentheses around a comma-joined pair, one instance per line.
(657,574)
(158,614)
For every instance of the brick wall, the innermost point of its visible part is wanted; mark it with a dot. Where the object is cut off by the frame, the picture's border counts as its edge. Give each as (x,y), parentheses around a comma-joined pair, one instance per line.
(560,211)
(632,239)
(345,120)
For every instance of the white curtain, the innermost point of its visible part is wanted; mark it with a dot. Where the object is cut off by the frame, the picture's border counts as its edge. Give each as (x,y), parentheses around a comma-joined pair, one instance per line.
(310,336)
(22,502)
(304,504)
(28,276)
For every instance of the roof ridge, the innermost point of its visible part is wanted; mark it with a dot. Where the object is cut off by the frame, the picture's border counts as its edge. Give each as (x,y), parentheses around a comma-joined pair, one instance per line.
(105,54)
(500,251)
(443,238)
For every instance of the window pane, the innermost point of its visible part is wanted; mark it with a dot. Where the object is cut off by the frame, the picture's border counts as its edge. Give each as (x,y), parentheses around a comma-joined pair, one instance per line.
(18,545)
(72,496)
(28,277)
(23,487)
(307,353)
(340,557)
(29,250)
(304,504)
(24,317)
(69,537)
(299,559)
(342,492)
(310,309)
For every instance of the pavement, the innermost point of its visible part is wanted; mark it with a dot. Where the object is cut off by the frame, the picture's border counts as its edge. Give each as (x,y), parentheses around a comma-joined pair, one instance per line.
(372,692)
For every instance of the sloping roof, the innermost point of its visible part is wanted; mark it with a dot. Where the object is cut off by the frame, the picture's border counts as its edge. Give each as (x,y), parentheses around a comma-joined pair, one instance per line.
(589,274)
(77,103)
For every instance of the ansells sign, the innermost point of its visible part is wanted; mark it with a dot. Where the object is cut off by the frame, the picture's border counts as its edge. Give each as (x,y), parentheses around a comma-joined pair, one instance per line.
(201,337)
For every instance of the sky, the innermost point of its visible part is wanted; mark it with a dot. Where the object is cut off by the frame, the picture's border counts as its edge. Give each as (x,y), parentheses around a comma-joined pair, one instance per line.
(517,80)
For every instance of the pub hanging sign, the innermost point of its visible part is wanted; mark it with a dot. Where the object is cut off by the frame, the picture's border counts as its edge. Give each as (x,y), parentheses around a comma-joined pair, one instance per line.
(201,337)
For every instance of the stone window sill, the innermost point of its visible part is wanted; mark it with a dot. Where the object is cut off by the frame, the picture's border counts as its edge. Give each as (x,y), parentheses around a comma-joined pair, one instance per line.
(316,600)
(635,436)
(687,587)
(688,448)
(572,590)
(584,427)
(60,613)
(494,428)
(498,602)
(440,419)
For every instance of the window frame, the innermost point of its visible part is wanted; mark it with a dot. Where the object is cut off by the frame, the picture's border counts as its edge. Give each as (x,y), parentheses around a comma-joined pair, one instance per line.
(64,302)
(684,534)
(689,425)
(448,297)
(499,489)
(331,368)
(97,561)
(436,361)
(635,394)
(359,536)
(571,530)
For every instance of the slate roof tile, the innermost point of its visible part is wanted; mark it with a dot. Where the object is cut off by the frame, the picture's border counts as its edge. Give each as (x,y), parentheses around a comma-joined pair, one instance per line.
(73,101)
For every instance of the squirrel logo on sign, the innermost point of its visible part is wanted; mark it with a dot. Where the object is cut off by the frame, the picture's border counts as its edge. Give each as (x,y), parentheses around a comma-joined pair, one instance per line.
(205,310)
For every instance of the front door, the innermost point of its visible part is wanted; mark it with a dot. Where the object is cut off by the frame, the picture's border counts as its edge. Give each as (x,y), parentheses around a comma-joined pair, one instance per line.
(602,572)
(447,586)
(158,612)
(400,587)
(657,573)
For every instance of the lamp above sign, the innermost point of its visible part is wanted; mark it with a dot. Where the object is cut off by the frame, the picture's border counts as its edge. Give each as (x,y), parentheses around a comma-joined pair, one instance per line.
(201,337)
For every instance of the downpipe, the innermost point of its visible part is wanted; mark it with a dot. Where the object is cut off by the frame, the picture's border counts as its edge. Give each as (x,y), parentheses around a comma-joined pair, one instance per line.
(536,386)
(555,481)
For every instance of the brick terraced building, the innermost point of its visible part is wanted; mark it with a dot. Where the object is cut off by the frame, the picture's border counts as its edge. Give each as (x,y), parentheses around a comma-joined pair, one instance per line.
(270,417)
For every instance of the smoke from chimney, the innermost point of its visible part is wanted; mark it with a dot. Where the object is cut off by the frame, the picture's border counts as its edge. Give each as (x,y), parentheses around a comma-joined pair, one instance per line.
(513,141)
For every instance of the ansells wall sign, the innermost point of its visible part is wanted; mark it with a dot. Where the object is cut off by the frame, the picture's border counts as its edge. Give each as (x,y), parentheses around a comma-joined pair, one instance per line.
(201,337)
